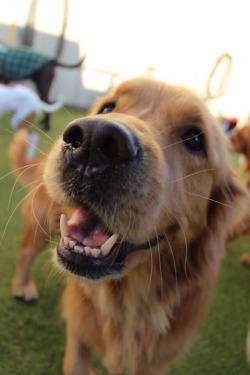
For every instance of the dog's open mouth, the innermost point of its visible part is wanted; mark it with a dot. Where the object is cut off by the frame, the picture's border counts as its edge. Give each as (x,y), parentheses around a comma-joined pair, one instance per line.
(89,250)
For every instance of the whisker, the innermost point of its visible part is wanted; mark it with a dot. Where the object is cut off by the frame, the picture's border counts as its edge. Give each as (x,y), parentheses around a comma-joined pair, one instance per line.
(42,132)
(47,217)
(174,264)
(163,129)
(55,272)
(18,169)
(34,215)
(151,268)
(128,226)
(27,185)
(28,142)
(209,199)
(37,128)
(113,216)
(186,247)
(68,112)
(191,174)
(159,260)
(13,212)
(124,232)
(50,241)
(13,187)
(181,141)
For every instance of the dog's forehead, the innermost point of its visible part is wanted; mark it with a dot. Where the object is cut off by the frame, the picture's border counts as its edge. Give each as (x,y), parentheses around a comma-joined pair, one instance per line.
(148,90)
(158,104)
(175,104)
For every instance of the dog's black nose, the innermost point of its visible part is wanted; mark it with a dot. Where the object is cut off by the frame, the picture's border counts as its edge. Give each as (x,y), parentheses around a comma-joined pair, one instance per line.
(98,144)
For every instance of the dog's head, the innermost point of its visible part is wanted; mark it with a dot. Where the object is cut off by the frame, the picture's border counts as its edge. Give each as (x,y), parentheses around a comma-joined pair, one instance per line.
(146,172)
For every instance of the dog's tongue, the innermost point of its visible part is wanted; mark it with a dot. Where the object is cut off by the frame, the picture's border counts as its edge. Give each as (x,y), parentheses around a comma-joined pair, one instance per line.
(84,230)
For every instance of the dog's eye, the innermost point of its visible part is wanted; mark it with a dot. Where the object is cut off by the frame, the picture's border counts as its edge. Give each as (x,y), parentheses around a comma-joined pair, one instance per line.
(193,139)
(107,107)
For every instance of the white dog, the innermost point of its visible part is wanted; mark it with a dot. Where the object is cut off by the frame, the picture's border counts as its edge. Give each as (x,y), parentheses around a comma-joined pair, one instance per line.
(23,104)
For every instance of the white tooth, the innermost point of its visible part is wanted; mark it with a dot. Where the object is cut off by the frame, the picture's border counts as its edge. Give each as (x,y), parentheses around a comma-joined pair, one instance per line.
(95,252)
(78,249)
(63,226)
(72,244)
(87,250)
(66,241)
(107,246)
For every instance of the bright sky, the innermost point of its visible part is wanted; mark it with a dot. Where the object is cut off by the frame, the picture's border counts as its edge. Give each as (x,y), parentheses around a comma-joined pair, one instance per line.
(179,38)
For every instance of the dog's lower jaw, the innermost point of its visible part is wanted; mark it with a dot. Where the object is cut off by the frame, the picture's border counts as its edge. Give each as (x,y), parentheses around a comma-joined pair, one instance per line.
(103,267)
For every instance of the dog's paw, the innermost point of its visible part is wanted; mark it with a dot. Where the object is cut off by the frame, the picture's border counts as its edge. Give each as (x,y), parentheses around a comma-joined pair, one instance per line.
(27,292)
(245,259)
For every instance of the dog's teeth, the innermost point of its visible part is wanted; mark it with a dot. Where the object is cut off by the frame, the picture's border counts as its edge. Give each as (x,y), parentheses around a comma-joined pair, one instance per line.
(66,241)
(87,250)
(95,252)
(78,249)
(72,244)
(63,226)
(107,246)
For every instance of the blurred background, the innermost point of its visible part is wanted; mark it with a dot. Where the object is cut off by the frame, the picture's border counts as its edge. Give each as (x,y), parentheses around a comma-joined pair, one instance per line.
(179,41)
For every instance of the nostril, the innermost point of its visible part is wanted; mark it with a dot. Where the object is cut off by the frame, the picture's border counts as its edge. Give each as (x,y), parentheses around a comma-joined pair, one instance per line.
(116,145)
(73,136)
(108,148)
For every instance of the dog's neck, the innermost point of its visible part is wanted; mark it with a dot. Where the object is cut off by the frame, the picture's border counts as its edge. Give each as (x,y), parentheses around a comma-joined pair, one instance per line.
(125,299)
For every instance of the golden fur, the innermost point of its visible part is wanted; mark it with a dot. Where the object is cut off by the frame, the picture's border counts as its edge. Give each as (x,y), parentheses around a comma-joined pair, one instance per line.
(240,140)
(178,189)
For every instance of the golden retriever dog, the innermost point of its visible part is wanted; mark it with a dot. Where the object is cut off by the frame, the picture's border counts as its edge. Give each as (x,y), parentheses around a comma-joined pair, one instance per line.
(149,189)
(240,140)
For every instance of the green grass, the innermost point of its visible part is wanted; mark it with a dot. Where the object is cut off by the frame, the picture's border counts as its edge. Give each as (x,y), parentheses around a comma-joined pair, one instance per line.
(32,335)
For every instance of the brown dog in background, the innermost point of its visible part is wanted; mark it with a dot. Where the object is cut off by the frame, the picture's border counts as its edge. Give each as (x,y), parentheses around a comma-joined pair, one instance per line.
(241,226)
(240,140)
(40,215)
(149,205)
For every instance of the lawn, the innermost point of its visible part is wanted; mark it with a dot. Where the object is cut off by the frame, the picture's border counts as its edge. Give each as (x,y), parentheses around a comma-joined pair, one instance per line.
(32,335)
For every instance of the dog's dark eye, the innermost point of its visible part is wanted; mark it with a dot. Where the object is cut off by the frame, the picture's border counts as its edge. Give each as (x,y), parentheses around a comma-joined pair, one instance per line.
(193,139)
(107,107)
